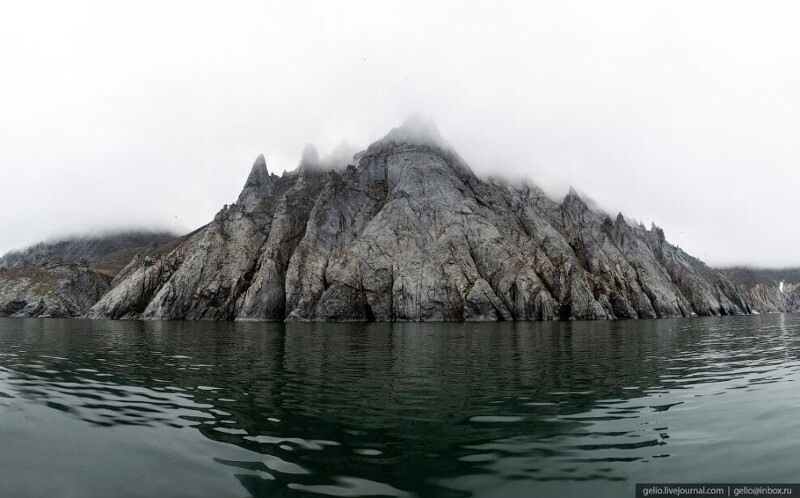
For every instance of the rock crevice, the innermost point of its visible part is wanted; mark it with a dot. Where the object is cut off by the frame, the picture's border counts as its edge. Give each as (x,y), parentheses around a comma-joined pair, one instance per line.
(407,231)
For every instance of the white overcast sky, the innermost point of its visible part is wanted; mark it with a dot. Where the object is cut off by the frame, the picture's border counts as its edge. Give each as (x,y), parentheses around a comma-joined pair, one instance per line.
(149,114)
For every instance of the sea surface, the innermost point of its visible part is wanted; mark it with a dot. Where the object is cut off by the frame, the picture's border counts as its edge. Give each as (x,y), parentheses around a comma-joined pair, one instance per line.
(583,409)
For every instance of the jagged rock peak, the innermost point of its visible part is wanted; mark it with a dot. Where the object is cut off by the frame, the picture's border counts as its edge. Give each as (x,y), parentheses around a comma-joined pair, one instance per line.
(310,156)
(259,184)
(416,129)
(573,198)
(341,156)
(411,234)
(309,162)
(657,231)
(258,173)
(420,138)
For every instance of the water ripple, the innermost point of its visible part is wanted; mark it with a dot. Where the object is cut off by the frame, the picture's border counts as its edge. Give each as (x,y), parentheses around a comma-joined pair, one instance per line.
(404,410)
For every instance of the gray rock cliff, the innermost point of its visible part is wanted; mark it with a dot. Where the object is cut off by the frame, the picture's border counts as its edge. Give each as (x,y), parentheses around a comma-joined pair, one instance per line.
(53,289)
(64,278)
(768,291)
(407,232)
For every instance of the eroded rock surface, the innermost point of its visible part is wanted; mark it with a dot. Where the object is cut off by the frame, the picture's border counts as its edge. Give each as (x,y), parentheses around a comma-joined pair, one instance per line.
(768,291)
(408,232)
(50,290)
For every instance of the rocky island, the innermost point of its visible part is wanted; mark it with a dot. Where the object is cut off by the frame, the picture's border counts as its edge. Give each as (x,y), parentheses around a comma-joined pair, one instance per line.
(405,231)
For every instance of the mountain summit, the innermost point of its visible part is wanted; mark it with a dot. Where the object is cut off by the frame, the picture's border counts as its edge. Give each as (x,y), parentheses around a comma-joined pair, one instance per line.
(406,231)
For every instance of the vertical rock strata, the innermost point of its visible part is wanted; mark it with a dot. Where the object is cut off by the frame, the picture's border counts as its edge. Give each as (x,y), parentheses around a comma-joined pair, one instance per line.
(408,232)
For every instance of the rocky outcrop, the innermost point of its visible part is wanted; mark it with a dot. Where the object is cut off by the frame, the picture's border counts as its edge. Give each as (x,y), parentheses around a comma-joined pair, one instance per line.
(50,290)
(768,291)
(65,278)
(406,231)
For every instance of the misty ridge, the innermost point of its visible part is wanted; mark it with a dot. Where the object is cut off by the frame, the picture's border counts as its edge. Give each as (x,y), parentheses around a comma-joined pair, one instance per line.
(419,127)
(109,250)
(552,96)
(400,231)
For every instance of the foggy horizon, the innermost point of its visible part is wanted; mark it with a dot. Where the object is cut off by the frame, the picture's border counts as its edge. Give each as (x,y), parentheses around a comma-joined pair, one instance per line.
(150,116)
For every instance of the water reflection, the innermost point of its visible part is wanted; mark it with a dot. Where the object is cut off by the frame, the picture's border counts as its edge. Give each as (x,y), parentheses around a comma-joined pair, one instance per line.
(421,409)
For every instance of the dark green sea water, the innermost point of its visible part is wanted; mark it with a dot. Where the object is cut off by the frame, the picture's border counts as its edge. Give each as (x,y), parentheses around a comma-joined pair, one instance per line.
(101,408)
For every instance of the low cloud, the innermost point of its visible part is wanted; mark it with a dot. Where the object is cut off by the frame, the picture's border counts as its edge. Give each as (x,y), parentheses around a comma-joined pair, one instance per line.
(150,115)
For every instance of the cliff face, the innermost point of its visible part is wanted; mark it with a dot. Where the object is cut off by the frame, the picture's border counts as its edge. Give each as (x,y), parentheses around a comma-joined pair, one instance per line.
(65,278)
(408,232)
(51,290)
(768,291)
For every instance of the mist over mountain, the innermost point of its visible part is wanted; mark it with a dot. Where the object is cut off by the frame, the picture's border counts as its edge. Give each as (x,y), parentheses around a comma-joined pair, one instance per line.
(63,278)
(401,231)
(406,231)
(109,252)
